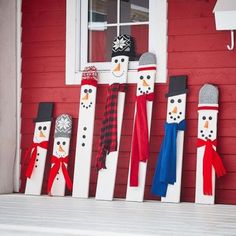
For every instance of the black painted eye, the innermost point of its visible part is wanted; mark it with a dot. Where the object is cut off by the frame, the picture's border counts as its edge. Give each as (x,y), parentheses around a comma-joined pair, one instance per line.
(44,127)
(210,118)
(179,100)
(86,90)
(90,90)
(172,101)
(148,77)
(141,77)
(116,60)
(122,59)
(40,127)
(203,117)
(58,143)
(64,143)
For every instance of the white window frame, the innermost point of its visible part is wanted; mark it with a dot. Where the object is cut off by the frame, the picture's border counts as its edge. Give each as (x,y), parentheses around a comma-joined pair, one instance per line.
(76,56)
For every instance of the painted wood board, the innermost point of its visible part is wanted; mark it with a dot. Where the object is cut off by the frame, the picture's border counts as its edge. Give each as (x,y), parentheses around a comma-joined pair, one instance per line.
(60,159)
(145,85)
(37,153)
(85,134)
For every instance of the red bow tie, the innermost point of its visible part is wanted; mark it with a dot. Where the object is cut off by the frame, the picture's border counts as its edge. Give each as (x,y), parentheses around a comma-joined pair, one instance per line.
(210,158)
(59,162)
(32,153)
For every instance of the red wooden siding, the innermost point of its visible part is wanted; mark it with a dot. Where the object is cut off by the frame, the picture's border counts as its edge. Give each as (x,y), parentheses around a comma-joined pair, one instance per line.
(195,48)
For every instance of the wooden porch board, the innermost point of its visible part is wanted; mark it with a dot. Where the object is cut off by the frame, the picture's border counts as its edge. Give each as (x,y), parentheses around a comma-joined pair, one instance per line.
(43,215)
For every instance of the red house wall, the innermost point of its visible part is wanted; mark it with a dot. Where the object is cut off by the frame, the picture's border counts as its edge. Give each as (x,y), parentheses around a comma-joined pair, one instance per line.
(195,48)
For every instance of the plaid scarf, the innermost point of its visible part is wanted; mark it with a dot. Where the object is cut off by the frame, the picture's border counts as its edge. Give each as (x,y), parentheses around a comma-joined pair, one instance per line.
(140,146)
(108,137)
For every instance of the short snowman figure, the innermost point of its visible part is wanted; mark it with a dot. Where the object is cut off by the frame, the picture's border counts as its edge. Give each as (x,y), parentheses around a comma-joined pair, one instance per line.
(85,132)
(169,166)
(208,160)
(145,96)
(36,154)
(59,175)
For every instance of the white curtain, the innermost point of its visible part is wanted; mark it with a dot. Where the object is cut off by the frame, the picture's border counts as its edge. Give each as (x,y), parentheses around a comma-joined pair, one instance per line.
(7,94)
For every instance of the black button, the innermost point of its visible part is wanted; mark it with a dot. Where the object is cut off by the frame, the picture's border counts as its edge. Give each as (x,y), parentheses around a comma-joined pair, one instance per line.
(36,166)
(37,159)
(83,144)
(37,154)
(85,128)
(84,136)
(57,178)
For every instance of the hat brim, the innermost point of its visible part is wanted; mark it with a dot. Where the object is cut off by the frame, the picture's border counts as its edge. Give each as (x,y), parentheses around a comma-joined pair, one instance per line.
(176,93)
(42,120)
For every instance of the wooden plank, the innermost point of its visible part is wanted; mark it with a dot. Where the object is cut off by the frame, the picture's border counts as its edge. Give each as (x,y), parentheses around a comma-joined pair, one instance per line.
(190,9)
(203,25)
(43,5)
(205,42)
(49,33)
(44,18)
(44,49)
(215,59)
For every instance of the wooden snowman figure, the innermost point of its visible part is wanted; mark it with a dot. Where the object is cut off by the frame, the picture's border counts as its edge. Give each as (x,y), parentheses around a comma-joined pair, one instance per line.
(38,150)
(168,173)
(208,160)
(59,176)
(142,125)
(85,133)
(108,150)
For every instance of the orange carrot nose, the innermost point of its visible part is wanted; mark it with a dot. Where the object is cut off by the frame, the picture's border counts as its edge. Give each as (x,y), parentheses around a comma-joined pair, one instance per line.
(61,149)
(174,109)
(85,97)
(206,124)
(117,68)
(145,84)
(41,135)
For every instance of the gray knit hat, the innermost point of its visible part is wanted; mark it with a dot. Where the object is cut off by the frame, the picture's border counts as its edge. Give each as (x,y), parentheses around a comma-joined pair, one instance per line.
(147,58)
(208,94)
(63,126)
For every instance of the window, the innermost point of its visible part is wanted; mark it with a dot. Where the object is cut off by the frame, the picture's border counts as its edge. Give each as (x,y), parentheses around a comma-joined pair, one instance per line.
(91,26)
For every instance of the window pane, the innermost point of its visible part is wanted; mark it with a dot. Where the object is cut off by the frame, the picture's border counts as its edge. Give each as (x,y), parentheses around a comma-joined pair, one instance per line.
(134,11)
(102,11)
(140,35)
(100,44)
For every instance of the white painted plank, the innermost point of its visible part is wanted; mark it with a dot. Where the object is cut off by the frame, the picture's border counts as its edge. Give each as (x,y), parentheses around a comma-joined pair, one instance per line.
(106,177)
(173,191)
(84,145)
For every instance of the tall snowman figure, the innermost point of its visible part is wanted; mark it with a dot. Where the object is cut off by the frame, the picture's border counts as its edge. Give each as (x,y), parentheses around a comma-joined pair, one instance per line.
(208,160)
(107,156)
(85,131)
(167,177)
(142,125)
(59,175)
(36,154)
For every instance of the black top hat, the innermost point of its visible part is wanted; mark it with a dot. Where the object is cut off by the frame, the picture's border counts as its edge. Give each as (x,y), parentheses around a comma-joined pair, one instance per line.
(44,112)
(123,45)
(177,85)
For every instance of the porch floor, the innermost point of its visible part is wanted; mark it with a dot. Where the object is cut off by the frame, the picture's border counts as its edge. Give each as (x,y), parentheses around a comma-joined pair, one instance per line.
(43,215)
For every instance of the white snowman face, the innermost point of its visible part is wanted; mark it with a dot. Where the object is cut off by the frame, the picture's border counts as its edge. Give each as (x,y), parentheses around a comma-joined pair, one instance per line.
(87,96)
(119,68)
(176,108)
(146,82)
(207,122)
(61,147)
(42,131)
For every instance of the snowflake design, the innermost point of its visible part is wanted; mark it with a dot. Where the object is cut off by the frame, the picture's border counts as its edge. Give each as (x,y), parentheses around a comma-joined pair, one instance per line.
(64,123)
(119,43)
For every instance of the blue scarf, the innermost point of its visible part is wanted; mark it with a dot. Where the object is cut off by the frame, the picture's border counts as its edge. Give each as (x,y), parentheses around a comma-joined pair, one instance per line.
(165,172)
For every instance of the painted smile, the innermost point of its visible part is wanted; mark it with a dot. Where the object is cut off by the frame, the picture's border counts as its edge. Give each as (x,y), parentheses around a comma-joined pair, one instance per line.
(118,75)
(174,116)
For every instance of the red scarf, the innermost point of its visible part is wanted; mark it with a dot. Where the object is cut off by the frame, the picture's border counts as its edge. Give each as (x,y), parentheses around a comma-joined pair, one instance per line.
(140,149)
(32,153)
(210,158)
(59,162)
